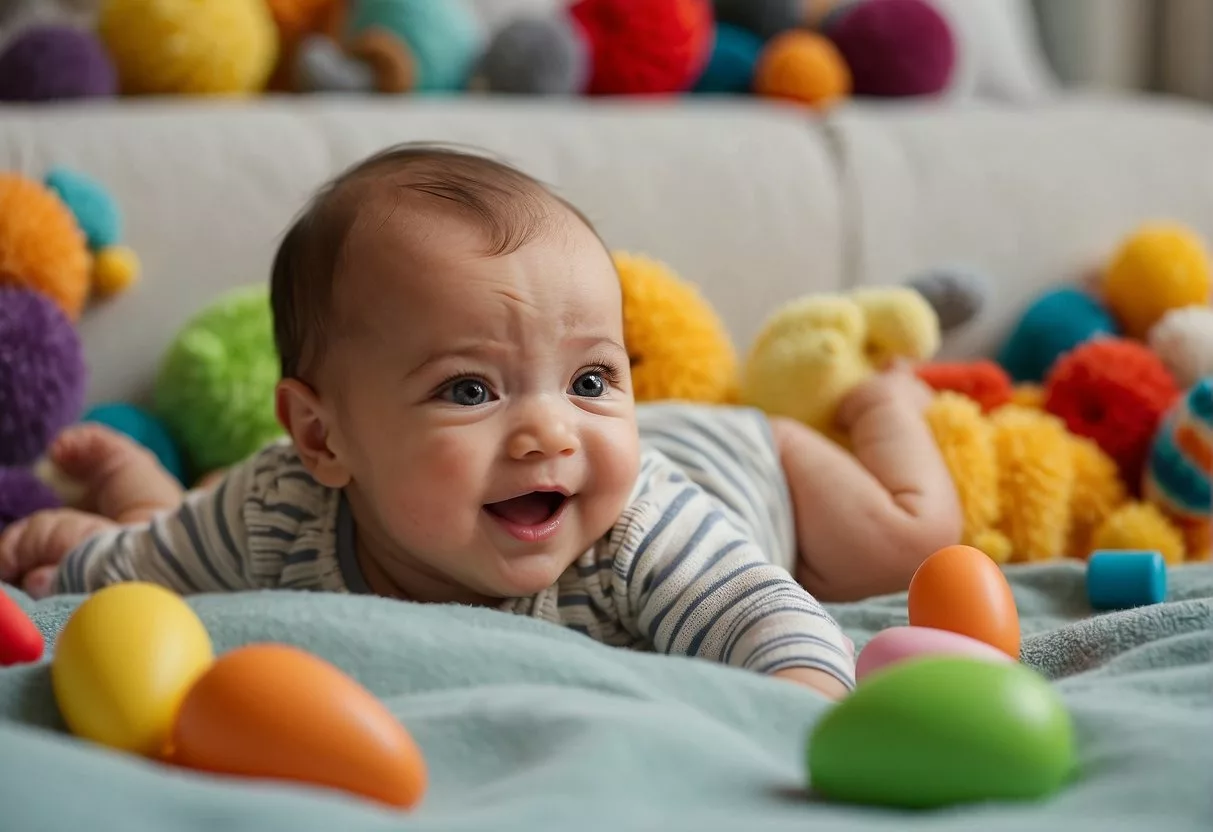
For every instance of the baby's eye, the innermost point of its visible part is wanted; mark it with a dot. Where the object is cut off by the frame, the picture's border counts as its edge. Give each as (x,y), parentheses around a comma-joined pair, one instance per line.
(467,392)
(591,385)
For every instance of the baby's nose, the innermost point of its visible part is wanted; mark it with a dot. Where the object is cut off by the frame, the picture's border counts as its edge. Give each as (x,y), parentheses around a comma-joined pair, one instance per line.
(543,435)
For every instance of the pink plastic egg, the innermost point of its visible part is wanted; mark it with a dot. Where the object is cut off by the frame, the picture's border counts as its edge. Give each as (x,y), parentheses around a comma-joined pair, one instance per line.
(900,643)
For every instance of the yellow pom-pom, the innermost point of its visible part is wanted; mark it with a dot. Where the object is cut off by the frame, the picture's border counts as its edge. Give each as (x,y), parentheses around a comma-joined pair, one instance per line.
(1163,266)
(1140,526)
(41,245)
(1028,395)
(190,47)
(1098,491)
(1036,479)
(994,544)
(115,268)
(966,440)
(678,346)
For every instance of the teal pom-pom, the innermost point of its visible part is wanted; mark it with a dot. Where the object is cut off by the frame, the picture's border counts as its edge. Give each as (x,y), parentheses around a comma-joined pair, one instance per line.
(730,68)
(1055,323)
(215,387)
(95,210)
(142,427)
(445,38)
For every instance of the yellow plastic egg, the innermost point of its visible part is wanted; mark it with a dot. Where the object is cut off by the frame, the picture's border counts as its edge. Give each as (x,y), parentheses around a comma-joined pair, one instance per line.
(124,662)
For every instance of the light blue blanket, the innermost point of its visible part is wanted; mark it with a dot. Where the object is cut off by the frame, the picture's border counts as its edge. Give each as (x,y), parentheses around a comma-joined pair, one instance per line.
(529,727)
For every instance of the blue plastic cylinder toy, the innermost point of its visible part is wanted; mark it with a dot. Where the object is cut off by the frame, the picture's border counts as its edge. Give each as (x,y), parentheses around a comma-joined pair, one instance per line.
(1119,580)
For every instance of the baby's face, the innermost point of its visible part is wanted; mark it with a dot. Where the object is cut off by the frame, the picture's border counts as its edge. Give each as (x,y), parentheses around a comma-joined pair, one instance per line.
(483,403)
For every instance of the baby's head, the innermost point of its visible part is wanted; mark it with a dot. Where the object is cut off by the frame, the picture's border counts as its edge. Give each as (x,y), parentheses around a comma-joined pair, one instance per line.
(451,336)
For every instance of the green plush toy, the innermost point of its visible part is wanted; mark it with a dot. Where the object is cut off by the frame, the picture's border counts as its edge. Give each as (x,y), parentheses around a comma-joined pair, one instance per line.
(215,388)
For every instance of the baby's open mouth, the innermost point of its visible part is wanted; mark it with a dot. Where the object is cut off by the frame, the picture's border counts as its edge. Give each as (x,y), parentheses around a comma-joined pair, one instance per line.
(529,509)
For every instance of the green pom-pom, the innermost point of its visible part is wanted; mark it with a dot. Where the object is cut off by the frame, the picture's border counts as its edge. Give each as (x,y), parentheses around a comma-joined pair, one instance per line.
(215,389)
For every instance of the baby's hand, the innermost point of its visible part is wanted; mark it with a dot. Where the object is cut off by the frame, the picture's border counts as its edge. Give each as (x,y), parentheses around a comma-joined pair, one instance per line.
(121,480)
(31,549)
(818,680)
(896,386)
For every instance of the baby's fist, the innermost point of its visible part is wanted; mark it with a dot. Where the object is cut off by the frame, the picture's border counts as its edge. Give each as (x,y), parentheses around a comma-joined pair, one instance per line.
(31,549)
(897,387)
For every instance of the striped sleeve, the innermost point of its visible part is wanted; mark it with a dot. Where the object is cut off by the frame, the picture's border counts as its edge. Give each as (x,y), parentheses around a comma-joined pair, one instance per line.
(693,583)
(200,547)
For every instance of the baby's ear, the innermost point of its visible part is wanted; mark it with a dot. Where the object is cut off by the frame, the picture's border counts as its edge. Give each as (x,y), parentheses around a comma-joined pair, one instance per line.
(304,417)
(901,324)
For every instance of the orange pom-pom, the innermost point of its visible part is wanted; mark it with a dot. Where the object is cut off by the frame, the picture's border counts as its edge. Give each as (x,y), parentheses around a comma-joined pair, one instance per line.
(1114,391)
(802,66)
(982,381)
(42,247)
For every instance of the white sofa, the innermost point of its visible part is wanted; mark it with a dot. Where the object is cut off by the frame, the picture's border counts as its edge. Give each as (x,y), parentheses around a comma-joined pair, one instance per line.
(756,202)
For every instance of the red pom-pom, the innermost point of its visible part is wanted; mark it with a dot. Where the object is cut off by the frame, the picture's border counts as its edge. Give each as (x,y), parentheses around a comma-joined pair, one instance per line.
(643,47)
(982,381)
(1115,392)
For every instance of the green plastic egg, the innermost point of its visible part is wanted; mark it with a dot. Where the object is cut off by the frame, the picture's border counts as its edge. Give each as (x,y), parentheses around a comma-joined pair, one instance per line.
(943,730)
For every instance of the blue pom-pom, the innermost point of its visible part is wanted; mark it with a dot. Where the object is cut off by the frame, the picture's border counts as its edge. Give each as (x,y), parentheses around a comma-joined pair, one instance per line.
(445,38)
(143,428)
(95,210)
(1054,324)
(730,69)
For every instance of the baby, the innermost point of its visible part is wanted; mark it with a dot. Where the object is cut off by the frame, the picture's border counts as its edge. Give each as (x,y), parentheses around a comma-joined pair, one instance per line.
(456,391)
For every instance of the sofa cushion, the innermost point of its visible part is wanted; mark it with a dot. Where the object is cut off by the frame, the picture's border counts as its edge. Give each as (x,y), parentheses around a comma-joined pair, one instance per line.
(739,197)
(1031,196)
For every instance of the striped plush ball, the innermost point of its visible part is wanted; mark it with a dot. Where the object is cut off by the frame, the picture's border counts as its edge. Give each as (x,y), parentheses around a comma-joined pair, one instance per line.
(42,374)
(645,47)
(1115,392)
(1181,465)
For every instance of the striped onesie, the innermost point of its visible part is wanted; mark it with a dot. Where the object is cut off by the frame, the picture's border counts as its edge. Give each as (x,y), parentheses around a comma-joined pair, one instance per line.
(697,565)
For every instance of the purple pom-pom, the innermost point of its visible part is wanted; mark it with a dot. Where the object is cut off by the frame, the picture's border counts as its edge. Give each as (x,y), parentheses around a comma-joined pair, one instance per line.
(895,47)
(42,374)
(21,494)
(46,63)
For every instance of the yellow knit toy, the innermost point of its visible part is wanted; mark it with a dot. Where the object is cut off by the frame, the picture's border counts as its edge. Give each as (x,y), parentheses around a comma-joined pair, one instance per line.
(1029,489)
(189,47)
(1160,267)
(678,346)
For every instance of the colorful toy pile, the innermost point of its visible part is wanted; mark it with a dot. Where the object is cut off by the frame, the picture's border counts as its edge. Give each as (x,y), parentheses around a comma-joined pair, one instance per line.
(816,53)
(60,246)
(944,713)
(134,669)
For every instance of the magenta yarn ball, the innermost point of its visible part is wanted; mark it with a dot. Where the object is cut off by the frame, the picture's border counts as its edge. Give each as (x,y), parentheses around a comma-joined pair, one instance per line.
(49,63)
(22,494)
(43,375)
(895,48)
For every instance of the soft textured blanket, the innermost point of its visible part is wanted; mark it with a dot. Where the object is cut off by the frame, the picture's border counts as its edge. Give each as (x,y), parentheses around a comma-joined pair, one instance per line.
(529,727)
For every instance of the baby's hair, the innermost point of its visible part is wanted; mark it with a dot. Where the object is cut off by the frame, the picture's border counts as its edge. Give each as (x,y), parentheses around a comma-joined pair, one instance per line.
(511,207)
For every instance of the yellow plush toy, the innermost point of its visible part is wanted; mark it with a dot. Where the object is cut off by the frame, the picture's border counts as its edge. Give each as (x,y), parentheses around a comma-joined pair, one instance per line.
(677,344)
(1028,488)
(812,351)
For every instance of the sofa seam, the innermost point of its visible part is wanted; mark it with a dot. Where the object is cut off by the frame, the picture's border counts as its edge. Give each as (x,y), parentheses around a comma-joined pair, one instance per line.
(850,204)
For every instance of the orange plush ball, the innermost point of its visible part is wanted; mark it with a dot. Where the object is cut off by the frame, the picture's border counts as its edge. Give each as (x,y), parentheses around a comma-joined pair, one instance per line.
(1113,391)
(802,66)
(42,247)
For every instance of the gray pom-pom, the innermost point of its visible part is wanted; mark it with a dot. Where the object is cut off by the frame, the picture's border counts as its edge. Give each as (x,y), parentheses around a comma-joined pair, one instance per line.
(955,293)
(322,66)
(535,56)
(765,18)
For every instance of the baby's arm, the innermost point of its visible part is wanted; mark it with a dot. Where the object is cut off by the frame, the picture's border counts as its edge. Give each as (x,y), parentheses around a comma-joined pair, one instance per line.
(694,584)
(198,547)
(867,518)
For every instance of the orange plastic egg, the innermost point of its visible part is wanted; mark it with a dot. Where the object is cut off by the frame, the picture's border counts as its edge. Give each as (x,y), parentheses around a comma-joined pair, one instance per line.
(273,711)
(961,590)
